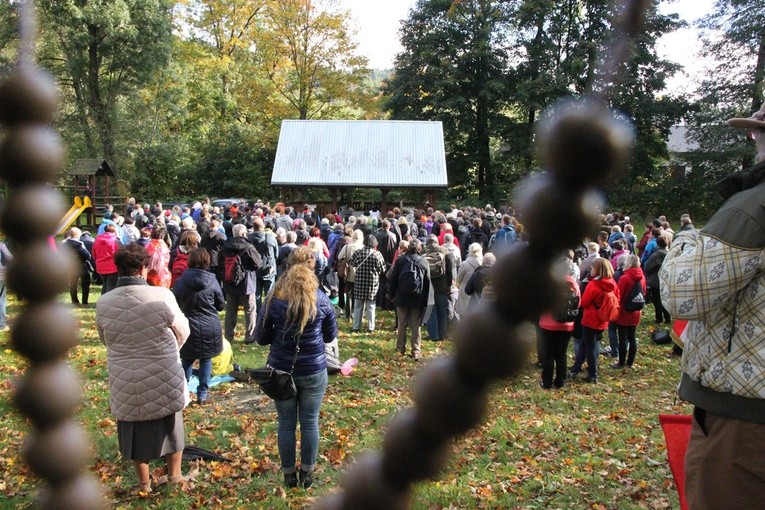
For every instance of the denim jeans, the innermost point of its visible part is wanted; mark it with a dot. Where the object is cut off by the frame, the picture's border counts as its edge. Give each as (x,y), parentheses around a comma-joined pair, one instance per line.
(304,407)
(368,305)
(205,369)
(589,350)
(262,288)
(439,317)
(613,339)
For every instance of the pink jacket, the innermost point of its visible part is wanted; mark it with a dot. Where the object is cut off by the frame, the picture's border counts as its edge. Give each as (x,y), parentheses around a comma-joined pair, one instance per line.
(104,248)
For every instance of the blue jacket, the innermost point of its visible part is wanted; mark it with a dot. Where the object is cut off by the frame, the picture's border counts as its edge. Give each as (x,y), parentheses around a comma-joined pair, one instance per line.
(200,298)
(273,329)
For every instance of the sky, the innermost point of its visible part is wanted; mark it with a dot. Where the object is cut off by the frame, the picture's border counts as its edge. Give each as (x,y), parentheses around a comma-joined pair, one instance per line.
(378,22)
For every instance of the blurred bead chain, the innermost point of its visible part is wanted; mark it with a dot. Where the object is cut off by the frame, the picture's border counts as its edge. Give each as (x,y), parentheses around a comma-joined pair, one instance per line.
(582,145)
(56,448)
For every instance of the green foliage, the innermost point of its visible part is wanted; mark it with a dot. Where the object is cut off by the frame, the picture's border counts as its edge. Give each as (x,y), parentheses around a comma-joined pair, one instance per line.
(232,164)
(735,43)
(101,52)
(487,69)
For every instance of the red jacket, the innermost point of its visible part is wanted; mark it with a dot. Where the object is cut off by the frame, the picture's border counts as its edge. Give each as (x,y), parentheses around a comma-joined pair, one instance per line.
(626,282)
(591,300)
(546,320)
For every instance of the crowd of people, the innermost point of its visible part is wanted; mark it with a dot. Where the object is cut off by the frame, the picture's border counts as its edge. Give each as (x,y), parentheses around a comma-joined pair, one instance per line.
(294,273)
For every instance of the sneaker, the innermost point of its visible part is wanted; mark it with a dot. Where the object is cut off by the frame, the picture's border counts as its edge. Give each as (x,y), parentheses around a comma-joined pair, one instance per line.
(617,366)
(592,380)
(572,375)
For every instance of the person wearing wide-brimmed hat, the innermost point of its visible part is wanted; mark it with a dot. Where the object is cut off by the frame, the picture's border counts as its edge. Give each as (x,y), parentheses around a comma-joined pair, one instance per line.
(715,278)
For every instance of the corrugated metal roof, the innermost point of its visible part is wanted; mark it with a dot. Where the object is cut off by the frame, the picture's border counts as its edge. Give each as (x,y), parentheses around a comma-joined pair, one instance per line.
(360,153)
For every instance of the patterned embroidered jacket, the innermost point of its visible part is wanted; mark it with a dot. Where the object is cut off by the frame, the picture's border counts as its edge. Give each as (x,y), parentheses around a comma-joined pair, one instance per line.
(715,278)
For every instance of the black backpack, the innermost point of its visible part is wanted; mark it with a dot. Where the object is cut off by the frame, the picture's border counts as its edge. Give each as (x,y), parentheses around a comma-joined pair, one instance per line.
(569,310)
(412,277)
(636,298)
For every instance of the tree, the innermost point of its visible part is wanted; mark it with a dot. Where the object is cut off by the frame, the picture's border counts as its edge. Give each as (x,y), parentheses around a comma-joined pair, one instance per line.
(307,51)
(453,69)
(104,51)
(228,29)
(734,43)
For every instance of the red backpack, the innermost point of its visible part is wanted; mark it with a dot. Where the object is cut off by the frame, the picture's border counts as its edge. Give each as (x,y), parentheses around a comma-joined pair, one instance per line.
(180,264)
(609,308)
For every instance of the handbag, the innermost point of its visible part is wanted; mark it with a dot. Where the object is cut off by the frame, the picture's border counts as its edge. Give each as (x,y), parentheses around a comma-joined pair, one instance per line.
(277,384)
(661,337)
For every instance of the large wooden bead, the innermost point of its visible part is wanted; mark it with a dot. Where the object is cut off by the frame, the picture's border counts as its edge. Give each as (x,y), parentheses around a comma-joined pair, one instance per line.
(488,347)
(48,393)
(57,453)
(81,493)
(31,153)
(329,502)
(37,273)
(446,406)
(549,207)
(524,285)
(28,96)
(32,212)
(583,143)
(409,455)
(49,331)
(366,488)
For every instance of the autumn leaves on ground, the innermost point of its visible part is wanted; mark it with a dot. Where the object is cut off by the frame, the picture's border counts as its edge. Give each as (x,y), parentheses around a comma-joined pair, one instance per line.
(582,447)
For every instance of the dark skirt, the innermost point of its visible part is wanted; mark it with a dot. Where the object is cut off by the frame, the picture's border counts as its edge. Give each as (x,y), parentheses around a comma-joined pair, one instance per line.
(153,439)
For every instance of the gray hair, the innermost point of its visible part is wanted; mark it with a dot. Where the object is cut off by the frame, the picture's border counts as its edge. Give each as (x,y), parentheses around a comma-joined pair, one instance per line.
(631,261)
(239,230)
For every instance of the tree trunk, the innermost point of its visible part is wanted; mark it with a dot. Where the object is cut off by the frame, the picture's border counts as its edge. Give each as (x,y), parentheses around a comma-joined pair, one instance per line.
(98,107)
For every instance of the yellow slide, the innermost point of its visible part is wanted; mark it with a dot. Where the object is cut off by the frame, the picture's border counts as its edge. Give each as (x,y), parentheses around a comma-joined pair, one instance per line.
(80,206)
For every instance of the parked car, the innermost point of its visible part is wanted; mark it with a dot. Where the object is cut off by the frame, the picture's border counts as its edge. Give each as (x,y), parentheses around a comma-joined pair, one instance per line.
(226,202)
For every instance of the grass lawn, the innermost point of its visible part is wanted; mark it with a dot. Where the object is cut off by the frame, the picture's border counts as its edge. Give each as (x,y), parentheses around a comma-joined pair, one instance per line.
(582,447)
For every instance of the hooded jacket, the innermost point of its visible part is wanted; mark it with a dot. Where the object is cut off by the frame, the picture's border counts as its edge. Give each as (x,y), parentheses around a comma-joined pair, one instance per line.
(200,298)
(626,283)
(593,298)
(715,279)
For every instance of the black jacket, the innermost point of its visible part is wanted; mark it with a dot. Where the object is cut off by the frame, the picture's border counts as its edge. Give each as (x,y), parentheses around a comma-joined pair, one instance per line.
(200,297)
(251,261)
(399,297)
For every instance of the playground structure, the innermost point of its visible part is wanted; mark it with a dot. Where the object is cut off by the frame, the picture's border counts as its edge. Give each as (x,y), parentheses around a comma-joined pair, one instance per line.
(81,204)
(89,192)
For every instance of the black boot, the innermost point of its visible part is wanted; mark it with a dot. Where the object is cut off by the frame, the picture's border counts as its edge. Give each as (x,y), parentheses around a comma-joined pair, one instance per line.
(306,479)
(290,480)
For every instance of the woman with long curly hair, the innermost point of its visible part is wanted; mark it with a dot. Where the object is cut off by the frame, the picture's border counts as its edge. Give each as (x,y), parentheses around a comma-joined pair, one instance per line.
(297,311)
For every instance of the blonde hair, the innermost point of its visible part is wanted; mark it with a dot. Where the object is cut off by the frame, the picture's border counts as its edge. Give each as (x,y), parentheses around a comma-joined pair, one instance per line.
(315,245)
(357,237)
(602,267)
(297,286)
